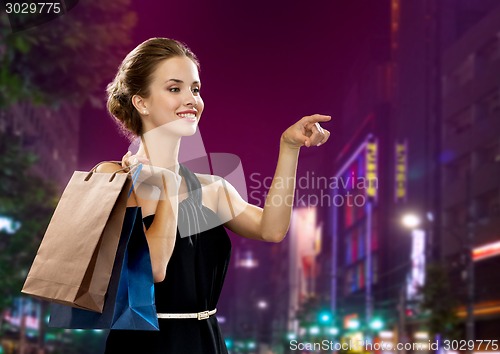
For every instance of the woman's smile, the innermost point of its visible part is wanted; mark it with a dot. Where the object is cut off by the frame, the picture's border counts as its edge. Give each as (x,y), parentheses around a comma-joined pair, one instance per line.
(189,115)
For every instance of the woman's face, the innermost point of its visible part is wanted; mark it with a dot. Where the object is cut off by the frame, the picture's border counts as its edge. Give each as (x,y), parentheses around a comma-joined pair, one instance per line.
(174,102)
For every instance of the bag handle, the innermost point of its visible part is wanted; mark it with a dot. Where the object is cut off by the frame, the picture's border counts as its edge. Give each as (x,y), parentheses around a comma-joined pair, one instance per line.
(134,176)
(129,168)
(93,169)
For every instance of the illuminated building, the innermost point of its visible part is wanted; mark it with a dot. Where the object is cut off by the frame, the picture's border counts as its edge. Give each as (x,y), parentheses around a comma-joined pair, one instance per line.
(445,56)
(471,160)
(427,92)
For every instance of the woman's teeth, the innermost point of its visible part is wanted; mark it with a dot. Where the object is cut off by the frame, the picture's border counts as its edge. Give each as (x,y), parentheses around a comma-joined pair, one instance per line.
(187,115)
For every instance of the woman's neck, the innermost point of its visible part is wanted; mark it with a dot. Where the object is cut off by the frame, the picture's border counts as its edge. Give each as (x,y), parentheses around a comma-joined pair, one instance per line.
(161,149)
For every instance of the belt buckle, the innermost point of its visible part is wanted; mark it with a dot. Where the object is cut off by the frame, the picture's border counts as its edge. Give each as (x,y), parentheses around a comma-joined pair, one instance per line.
(203,315)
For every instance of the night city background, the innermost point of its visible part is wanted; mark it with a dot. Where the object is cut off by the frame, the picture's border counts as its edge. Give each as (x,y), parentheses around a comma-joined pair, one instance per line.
(413,88)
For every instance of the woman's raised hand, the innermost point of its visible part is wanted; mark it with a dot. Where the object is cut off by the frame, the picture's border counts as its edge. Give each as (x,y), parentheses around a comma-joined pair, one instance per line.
(307,132)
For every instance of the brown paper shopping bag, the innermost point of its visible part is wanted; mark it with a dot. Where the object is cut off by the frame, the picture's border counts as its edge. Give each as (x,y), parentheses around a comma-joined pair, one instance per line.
(74,262)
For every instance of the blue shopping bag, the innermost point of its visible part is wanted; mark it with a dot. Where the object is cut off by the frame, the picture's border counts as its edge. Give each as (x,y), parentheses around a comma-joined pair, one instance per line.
(130,301)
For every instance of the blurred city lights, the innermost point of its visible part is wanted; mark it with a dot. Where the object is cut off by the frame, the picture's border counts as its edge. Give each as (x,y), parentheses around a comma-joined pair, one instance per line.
(333,331)
(353,324)
(486,251)
(262,304)
(325,317)
(410,221)
(376,324)
(421,335)
(314,330)
(8,225)
(247,261)
(386,334)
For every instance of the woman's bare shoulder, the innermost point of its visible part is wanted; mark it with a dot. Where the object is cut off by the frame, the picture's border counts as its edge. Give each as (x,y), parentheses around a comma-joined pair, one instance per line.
(108,167)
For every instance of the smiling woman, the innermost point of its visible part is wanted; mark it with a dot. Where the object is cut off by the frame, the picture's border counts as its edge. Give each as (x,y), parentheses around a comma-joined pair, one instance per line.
(143,78)
(155,96)
(171,99)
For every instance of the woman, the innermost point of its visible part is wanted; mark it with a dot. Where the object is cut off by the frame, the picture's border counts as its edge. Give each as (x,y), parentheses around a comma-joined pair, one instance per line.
(156,96)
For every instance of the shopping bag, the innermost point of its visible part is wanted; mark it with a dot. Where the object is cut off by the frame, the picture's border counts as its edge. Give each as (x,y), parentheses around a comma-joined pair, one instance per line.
(130,301)
(74,261)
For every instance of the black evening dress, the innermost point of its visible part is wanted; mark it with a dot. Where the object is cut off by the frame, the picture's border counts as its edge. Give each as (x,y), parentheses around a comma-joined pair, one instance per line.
(193,283)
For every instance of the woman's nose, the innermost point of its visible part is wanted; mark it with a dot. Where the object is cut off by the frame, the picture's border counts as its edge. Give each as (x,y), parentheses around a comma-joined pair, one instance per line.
(189,99)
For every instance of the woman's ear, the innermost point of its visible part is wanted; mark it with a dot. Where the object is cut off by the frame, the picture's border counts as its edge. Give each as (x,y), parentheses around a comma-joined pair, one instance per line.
(140,104)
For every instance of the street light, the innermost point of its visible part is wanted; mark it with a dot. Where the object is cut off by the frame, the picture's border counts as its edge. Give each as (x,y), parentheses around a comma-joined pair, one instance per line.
(325,317)
(248,261)
(333,331)
(411,220)
(314,330)
(376,324)
(262,304)
(251,345)
(353,324)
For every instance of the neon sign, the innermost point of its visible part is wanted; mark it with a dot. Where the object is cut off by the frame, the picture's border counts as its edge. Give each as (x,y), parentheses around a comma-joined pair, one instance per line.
(401,172)
(486,251)
(371,169)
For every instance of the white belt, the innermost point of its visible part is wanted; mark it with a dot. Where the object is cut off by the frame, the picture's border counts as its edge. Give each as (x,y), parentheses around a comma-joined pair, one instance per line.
(199,315)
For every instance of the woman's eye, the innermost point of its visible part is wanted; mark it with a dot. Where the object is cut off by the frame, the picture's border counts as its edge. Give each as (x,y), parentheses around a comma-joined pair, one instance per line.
(174,89)
(196,90)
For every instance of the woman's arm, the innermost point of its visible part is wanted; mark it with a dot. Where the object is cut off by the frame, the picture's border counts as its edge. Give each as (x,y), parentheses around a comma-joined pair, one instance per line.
(271,223)
(162,233)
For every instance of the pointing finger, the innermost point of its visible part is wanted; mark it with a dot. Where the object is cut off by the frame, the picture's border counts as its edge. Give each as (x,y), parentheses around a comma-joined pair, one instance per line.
(317,118)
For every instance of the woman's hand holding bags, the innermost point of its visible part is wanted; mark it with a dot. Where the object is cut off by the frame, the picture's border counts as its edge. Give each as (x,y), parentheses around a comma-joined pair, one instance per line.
(75,259)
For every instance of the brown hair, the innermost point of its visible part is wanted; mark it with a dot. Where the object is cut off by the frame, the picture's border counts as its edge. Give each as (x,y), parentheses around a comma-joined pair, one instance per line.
(134,78)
